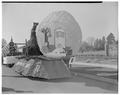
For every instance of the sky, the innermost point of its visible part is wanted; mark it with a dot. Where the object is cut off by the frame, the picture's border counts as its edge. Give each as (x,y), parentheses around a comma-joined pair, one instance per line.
(95,19)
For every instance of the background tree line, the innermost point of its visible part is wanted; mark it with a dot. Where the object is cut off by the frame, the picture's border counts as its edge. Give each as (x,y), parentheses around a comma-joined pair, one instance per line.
(98,44)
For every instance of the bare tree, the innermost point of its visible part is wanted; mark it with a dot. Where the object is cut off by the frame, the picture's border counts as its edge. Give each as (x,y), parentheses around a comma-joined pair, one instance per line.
(4,42)
(47,33)
(90,41)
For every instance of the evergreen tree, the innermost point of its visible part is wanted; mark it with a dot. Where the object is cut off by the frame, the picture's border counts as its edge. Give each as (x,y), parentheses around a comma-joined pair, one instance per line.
(110,38)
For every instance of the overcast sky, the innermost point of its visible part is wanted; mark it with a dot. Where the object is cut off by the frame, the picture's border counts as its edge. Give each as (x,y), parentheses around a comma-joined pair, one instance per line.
(95,20)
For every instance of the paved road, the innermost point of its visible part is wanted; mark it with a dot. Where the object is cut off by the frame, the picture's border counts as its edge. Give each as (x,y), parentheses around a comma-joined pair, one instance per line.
(14,83)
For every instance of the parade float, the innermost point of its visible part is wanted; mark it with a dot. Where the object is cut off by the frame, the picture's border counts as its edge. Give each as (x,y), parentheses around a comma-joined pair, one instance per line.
(45,55)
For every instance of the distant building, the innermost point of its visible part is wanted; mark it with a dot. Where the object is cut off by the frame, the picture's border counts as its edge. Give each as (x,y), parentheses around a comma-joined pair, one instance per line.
(113,49)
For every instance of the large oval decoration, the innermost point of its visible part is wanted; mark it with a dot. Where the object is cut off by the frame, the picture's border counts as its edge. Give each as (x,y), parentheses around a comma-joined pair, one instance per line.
(60,21)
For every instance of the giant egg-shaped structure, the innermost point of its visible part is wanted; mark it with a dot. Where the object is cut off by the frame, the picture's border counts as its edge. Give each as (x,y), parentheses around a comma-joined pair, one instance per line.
(61,20)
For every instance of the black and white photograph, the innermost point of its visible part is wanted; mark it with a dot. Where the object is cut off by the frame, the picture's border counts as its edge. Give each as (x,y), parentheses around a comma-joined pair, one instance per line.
(60,47)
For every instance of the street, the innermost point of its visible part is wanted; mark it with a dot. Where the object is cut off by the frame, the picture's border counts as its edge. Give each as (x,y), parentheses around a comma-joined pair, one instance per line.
(14,83)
